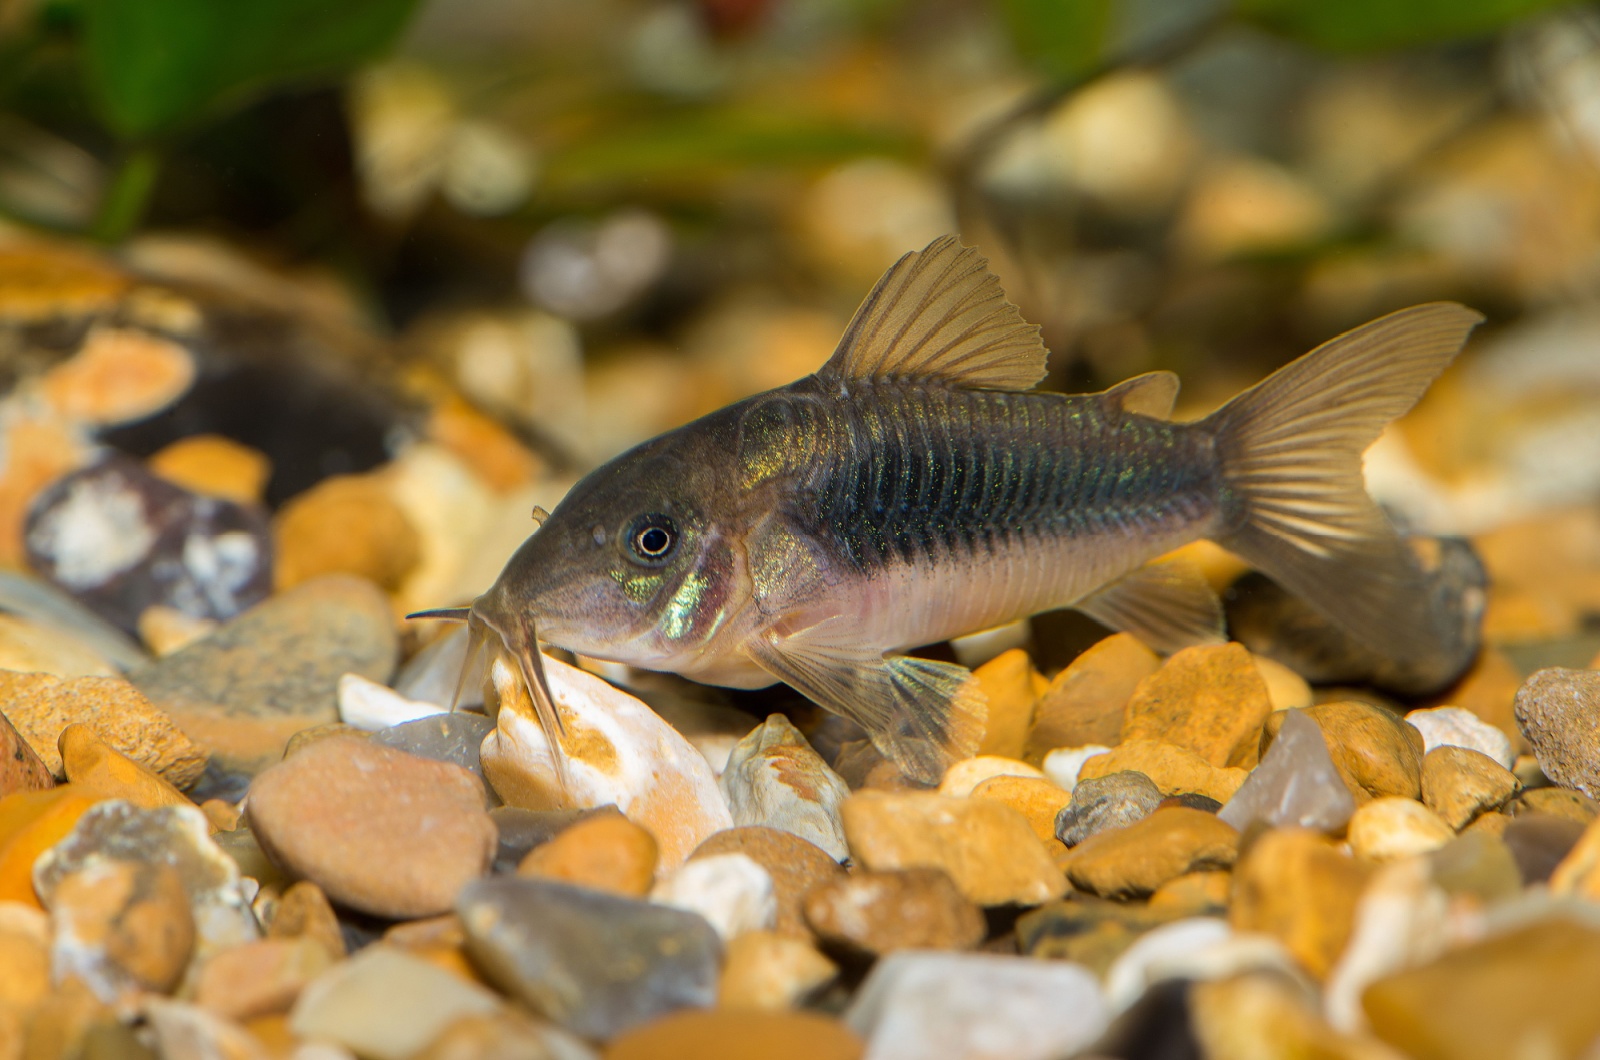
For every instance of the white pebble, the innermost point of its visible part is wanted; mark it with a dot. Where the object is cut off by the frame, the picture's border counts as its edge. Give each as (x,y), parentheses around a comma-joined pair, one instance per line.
(730,890)
(1458,727)
(1061,766)
(1146,961)
(961,778)
(370,706)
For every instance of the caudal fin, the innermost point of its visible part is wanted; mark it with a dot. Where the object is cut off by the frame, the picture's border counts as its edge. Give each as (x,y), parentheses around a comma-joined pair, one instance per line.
(1296,506)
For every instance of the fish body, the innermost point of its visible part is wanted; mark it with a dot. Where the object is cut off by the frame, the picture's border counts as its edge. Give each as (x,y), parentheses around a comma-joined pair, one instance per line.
(917,488)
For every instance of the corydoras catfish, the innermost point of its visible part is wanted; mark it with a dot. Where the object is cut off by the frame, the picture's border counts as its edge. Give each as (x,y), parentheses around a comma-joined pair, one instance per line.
(917,488)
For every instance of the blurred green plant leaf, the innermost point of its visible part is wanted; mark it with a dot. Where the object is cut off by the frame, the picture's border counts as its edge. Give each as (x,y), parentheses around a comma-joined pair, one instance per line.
(156,65)
(1371,25)
(1063,38)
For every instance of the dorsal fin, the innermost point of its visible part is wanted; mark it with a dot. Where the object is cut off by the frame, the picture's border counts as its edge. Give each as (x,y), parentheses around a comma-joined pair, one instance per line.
(1152,394)
(939,313)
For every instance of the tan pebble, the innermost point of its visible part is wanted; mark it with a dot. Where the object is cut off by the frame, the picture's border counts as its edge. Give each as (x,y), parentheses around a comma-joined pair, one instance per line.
(37,647)
(440,940)
(1264,1016)
(215,466)
(1375,751)
(349,524)
(1203,893)
(41,706)
(165,630)
(305,912)
(1492,823)
(874,913)
(483,445)
(1559,802)
(738,1034)
(1175,771)
(223,815)
(1286,689)
(1085,703)
(795,866)
(769,971)
(124,926)
(259,978)
(117,375)
(1036,799)
(963,776)
(1393,827)
(1136,860)
(310,737)
(1296,885)
(1458,784)
(1008,682)
(99,770)
(1209,699)
(1489,690)
(607,852)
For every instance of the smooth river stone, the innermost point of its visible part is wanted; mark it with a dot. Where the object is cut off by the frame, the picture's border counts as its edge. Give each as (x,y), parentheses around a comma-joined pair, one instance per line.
(274,670)
(595,963)
(618,752)
(773,777)
(1296,784)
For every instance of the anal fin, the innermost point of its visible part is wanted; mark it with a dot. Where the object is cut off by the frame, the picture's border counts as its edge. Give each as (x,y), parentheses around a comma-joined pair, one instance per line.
(1165,603)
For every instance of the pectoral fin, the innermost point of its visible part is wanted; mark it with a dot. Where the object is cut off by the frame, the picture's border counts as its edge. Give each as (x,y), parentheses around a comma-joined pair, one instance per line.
(922,715)
(1166,603)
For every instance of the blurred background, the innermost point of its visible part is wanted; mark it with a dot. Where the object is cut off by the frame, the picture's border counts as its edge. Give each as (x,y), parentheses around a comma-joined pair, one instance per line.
(432,260)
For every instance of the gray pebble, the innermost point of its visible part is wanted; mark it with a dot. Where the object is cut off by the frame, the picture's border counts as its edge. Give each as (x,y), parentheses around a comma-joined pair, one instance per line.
(1112,801)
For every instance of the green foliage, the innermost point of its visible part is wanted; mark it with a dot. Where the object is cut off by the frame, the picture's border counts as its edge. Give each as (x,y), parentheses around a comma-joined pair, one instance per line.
(1371,25)
(1062,38)
(153,66)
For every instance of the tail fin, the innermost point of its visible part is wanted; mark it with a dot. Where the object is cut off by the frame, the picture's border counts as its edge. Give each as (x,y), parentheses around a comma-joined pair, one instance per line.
(1296,504)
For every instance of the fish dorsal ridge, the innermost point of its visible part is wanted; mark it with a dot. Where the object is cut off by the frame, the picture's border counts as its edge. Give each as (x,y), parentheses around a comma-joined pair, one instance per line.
(939,314)
(1152,394)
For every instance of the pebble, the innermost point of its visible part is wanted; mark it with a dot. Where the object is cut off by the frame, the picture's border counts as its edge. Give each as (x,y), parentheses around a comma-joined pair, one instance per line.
(1153,955)
(1296,885)
(1203,893)
(988,849)
(731,891)
(1209,699)
(1478,867)
(98,770)
(1115,800)
(1393,827)
(520,830)
(1489,691)
(619,752)
(963,776)
(874,913)
(214,465)
(607,852)
(774,778)
(1089,931)
(32,822)
(1458,784)
(21,769)
(1557,802)
(38,450)
(118,375)
(1267,1015)
(1011,686)
(795,866)
(1374,751)
(503,1034)
(260,978)
(595,963)
(64,1022)
(346,524)
(305,912)
(1177,771)
(766,970)
(969,1006)
(165,630)
(1401,921)
(122,927)
(183,1031)
(1295,785)
(39,647)
(1134,861)
(246,689)
(24,957)
(1286,689)
(1490,999)
(1539,842)
(1040,801)
(1085,702)
(42,706)
(1559,712)
(120,540)
(455,738)
(738,1035)
(367,705)
(1454,727)
(1063,765)
(379,830)
(385,1005)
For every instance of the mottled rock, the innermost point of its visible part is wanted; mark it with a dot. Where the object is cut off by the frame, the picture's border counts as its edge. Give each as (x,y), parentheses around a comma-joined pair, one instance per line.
(766,970)
(1296,784)
(774,778)
(379,830)
(1148,960)
(122,927)
(255,682)
(1454,727)
(1085,703)
(607,852)
(347,524)
(120,540)
(988,849)
(96,769)
(873,913)
(618,752)
(1063,765)
(1539,842)
(39,647)
(794,865)
(370,706)
(963,776)
(1040,801)
(595,963)
(1009,684)
(1458,784)
(1559,713)
(215,466)
(260,978)
(968,1006)
(1133,861)
(1392,827)
(1176,771)
(1374,751)
(1210,700)
(731,891)
(41,706)
(737,1035)
(20,768)
(454,738)
(1487,1000)
(1299,887)
(1115,800)
(1401,921)
(385,1005)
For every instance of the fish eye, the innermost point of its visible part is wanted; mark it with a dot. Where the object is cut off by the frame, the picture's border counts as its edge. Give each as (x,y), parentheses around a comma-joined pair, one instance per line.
(652,538)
